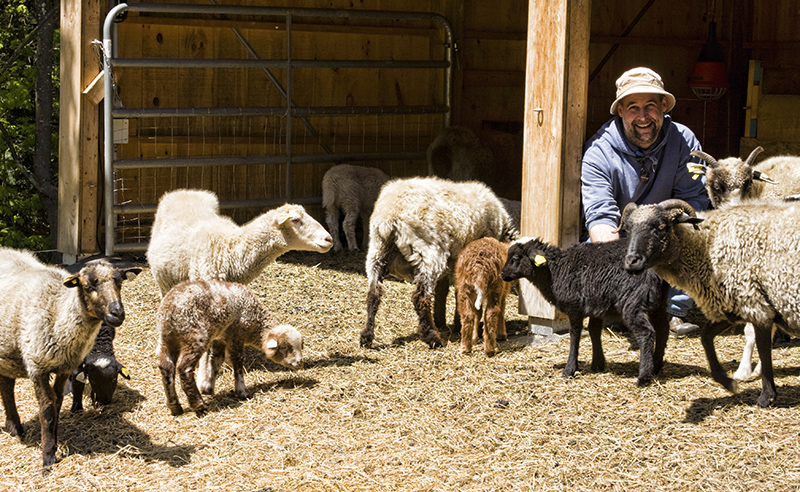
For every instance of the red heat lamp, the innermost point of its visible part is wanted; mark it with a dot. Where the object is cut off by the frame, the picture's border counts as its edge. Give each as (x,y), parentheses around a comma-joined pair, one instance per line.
(709,79)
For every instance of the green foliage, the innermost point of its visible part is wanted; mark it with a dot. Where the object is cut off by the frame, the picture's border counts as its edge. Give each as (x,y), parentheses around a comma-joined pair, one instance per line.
(23,220)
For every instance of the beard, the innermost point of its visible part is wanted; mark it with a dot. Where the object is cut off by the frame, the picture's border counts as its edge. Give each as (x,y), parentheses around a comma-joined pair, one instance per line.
(642,137)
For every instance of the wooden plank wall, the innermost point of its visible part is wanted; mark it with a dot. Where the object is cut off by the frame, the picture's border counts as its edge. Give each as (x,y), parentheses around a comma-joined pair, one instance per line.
(174,37)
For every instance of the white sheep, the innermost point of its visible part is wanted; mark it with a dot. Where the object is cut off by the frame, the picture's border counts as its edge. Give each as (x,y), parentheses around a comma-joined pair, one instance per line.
(353,190)
(457,154)
(416,231)
(738,263)
(480,289)
(732,180)
(191,240)
(49,320)
(221,317)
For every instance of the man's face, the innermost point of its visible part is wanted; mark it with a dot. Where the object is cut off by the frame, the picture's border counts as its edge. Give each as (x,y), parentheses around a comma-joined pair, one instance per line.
(642,116)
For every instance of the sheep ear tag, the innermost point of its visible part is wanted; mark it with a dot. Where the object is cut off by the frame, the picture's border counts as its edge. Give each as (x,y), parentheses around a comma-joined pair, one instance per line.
(283,217)
(272,343)
(71,281)
(124,372)
(539,260)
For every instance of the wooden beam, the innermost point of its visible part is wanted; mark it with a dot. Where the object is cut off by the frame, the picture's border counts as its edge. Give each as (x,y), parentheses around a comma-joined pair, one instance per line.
(78,130)
(555,116)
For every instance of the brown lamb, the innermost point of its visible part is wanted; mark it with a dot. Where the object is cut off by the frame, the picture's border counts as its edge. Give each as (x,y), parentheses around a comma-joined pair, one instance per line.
(221,317)
(480,286)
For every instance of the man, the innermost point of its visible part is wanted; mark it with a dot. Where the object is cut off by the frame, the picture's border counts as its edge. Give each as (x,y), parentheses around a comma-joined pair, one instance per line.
(639,156)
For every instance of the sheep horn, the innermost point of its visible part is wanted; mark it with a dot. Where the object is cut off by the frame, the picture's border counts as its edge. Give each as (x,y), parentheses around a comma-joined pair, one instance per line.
(763,177)
(681,205)
(702,155)
(753,155)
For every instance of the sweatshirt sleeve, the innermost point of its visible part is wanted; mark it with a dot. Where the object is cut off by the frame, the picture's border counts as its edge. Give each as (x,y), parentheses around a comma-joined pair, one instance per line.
(597,193)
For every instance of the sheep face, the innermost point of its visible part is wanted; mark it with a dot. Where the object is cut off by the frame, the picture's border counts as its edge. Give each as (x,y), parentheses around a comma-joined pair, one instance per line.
(728,180)
(103,375)
(518,264)
(302,232)
(651,232)
(100,283)
(284,345)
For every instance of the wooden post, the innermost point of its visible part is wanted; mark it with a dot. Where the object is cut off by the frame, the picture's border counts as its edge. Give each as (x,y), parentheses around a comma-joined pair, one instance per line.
(78,165)
(555,120)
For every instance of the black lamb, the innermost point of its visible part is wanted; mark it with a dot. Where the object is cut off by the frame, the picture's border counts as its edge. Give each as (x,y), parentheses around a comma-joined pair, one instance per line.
(588,279)
(101,368)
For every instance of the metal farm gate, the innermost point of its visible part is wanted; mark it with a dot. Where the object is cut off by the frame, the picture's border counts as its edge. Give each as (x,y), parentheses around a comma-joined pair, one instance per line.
(255,103)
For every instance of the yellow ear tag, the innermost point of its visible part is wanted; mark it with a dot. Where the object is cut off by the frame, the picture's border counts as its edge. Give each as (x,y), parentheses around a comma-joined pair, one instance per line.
(539,260)
(73,281)
(695,176)
(125,373)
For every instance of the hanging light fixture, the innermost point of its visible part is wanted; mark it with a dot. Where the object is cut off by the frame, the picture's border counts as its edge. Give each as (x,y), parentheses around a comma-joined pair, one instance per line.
(709,79)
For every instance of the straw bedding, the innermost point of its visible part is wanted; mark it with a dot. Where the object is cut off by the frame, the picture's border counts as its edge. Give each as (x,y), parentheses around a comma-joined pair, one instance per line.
(401,416)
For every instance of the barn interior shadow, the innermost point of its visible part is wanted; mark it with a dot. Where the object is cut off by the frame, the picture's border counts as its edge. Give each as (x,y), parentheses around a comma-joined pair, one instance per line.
(106,431)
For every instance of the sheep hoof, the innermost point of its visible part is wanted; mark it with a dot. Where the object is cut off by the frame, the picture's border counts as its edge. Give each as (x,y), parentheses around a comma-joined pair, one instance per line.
(200,412)
(435,343)
(15,430)
(644,380)
(366,341)
(176,410)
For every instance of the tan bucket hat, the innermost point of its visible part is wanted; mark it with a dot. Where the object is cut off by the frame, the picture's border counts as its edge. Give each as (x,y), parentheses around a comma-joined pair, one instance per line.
(641,80)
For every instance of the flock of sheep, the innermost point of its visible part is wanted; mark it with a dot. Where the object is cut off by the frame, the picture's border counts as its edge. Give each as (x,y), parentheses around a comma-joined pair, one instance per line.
(738,262)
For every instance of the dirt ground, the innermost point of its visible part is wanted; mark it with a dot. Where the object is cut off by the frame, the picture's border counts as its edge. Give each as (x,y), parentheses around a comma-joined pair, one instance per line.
(401,416)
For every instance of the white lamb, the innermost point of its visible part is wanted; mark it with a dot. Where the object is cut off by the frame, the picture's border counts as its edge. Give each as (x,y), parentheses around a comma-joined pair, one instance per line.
(49,320)
(353,190)
(190,240)
(418,228)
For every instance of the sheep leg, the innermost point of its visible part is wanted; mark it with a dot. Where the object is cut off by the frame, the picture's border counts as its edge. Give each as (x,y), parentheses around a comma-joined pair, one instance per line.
(595,329)
(492,320)
(332,219)
(502,333)
(236,355)
(48,417)
(745,370)
(365,224)
(349,226)
(374,295)
(13,424)
(660,321)
(209,367)
(707,336)
(575,328)
(166,365)
(469,328)
(77,388)
(764,346)
(185,369)
(645,334)
(421,299)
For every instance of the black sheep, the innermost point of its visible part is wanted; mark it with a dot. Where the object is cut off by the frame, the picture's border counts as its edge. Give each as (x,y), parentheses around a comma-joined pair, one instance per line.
(101,368)
(588,279)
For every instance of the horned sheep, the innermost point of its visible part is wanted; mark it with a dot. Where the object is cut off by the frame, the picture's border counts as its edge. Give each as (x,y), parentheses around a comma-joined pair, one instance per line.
(49,319)
(587,279)
(732,180)
(221,317)
(191,240)
(352,190)
(480,288)
(416,231)
(738,263)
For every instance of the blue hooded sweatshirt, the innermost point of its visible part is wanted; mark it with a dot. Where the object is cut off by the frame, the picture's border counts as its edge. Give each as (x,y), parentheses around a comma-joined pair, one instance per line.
(615,172)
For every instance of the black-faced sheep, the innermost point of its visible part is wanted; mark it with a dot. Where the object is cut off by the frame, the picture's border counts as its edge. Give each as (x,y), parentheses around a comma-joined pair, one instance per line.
(418,228)
(587,279)
(352,190)
(190,240)
(49,319)
(480,288)
(739,264)
(730,181)
(457,154)
(100,368)
(221,317)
